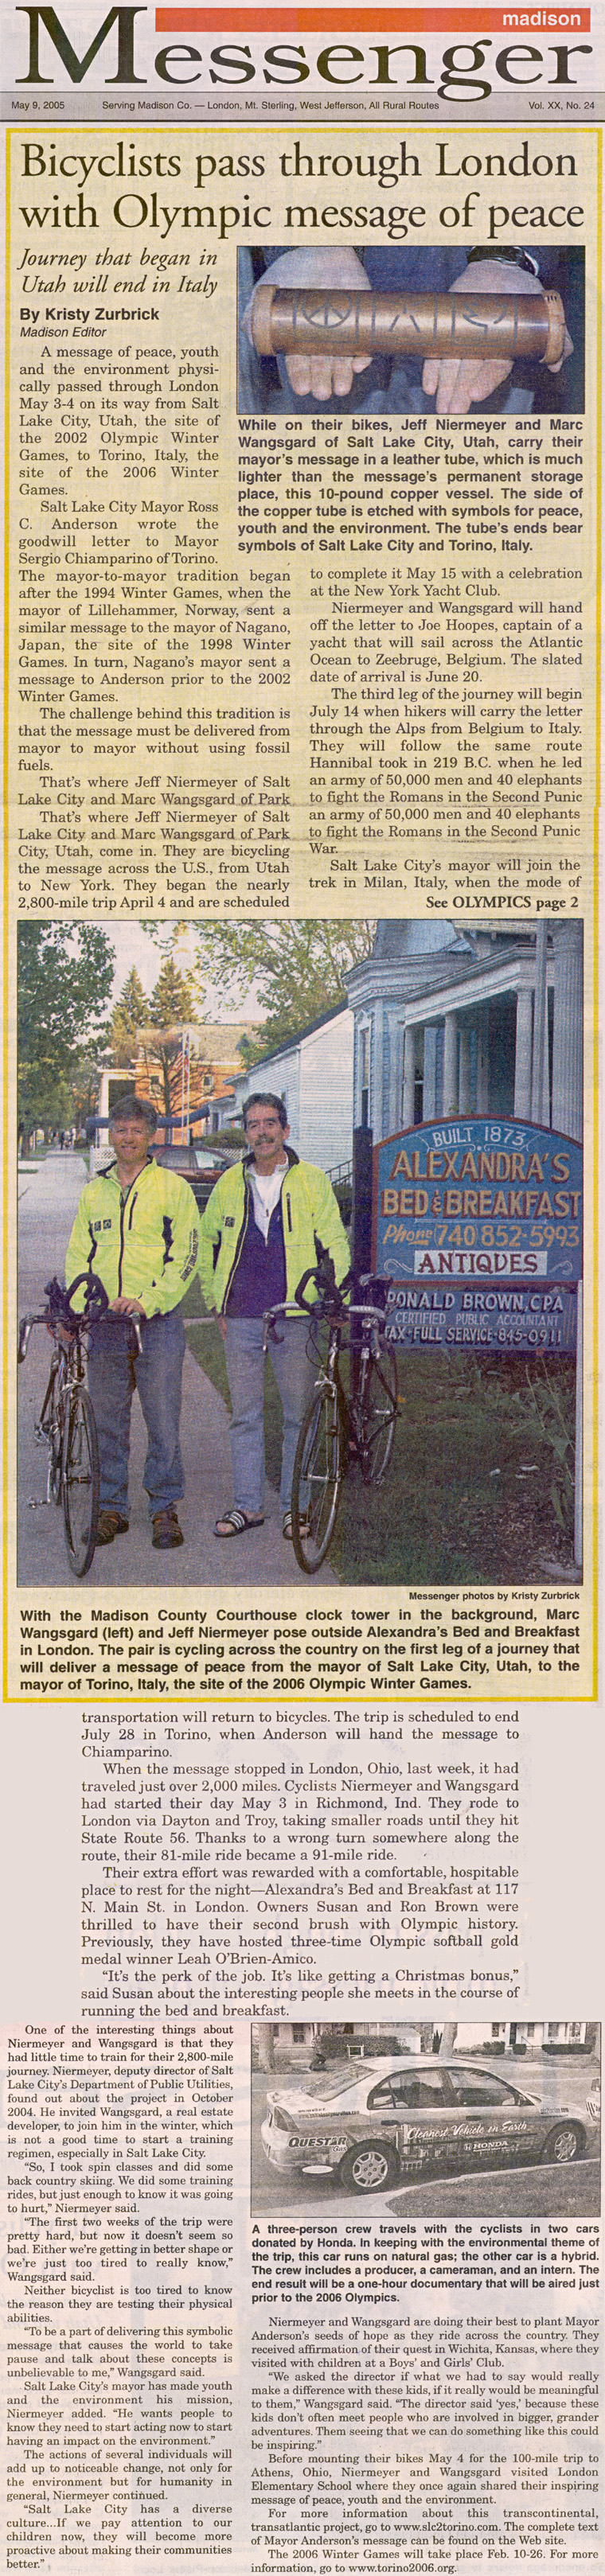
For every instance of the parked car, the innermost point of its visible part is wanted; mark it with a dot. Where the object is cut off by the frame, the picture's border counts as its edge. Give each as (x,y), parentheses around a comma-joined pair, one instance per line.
(593,2100)
(386,2125)
(199,1164)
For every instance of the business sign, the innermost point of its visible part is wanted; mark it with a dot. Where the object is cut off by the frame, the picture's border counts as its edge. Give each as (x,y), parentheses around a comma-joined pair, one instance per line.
(505,1319)
(481,1218)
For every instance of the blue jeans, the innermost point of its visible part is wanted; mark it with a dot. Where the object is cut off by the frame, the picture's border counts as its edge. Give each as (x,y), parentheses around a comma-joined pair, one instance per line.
(115,1368)
(294,1374)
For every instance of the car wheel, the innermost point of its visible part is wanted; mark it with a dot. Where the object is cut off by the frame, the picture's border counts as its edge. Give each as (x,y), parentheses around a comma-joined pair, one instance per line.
(371,2166)
(563,2145)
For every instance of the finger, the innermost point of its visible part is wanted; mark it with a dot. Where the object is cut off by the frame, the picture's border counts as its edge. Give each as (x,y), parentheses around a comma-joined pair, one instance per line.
(342,375)
(463,381)
(323,370)
(323,376)
(299,372)
(560,362)
(476,382)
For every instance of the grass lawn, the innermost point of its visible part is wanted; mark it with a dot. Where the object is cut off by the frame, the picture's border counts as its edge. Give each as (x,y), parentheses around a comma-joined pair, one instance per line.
(480,1486)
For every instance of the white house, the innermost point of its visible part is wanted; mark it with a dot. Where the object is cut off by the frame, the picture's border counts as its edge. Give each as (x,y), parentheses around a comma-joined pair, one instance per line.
(469,1019)
(313,1074)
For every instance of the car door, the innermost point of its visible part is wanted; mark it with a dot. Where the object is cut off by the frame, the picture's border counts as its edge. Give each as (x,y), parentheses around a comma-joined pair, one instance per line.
(420,2111)
(491,2124)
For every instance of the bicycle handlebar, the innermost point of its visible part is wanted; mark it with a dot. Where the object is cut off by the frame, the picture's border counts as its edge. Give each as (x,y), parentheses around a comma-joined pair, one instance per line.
(60,1312)
(343,1314)
(327,1300)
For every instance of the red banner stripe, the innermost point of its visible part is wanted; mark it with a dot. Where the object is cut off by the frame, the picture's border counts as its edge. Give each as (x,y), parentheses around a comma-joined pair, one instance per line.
(371,21)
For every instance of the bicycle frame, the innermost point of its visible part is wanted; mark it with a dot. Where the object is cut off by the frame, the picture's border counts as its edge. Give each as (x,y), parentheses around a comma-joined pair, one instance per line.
(67,1370)
(371,1321)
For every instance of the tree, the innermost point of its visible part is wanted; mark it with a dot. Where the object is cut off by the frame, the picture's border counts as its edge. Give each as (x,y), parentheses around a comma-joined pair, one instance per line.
(297,969)
(129,1016)
(171,1007)
(265,2031)
(84,1083)
(65,975)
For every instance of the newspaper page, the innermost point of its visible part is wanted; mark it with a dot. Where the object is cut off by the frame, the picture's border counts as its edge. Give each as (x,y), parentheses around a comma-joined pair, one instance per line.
(301,2249)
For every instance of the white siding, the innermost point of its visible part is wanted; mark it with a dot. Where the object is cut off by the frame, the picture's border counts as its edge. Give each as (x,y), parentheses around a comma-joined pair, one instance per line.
(315,1078)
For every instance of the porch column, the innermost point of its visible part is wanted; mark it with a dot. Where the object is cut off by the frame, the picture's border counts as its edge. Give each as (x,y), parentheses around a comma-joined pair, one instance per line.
(539,1079)
(464,1078)
(379,1106)
(523,1052)
(409,1075)
(429,1096)
(450,1066)
(394,1033)
(567,1088)
(483,1061)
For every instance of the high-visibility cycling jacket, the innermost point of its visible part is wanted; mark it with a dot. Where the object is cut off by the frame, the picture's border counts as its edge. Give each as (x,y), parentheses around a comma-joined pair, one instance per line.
(142,1242)
(309,1210)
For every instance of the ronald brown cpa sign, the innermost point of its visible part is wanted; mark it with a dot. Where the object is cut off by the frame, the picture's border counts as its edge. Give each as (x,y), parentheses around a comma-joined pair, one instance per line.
(482,1219)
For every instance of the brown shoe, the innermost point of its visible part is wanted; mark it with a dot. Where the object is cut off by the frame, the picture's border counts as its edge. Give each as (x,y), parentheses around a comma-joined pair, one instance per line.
(167,1531)
(110,1525)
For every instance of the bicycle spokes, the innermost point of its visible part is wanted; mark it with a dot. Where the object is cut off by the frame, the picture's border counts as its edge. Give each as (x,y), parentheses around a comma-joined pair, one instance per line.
(80,1481)
(317,1479)
(378,1416)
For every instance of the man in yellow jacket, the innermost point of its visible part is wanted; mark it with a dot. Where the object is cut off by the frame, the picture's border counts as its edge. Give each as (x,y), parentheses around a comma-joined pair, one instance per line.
(260,1230)
(136,1227)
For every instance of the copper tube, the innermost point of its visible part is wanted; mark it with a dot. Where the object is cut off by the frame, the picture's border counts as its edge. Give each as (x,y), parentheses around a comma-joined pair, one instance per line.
(336,322)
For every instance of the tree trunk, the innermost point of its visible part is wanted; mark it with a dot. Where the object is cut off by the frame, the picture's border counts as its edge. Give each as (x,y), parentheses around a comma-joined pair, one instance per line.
(266,2049)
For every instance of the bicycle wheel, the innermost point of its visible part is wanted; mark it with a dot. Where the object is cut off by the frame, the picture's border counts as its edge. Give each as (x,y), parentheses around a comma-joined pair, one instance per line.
(53,1472)
(50,1428)
(378,1418)
(80,1480)
(317,1480)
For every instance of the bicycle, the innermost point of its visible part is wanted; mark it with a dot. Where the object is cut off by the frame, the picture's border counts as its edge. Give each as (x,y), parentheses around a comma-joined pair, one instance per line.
(338,1426)
(66,1425)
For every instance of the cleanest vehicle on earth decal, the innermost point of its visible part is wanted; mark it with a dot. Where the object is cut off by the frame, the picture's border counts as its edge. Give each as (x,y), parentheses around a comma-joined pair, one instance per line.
(397,2119)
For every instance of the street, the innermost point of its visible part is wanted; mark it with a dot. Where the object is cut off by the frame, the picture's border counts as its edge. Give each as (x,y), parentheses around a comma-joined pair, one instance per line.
(48,1197)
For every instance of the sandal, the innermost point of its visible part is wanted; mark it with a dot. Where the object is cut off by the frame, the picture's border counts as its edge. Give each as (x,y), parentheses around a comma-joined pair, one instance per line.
(304,1525)
(110,1525)
(235,1521)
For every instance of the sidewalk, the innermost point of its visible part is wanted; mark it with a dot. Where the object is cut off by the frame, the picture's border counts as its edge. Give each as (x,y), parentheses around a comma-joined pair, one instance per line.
(260,1557)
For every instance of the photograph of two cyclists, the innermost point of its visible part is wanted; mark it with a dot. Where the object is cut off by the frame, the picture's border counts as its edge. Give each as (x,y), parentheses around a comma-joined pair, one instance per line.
(300,1235)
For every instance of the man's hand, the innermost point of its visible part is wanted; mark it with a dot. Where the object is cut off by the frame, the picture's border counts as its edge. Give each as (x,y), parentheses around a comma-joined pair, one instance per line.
(458,382)
(128,1306)
(318,376)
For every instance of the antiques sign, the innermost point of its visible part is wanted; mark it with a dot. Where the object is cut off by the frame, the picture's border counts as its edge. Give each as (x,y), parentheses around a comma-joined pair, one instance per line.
(480,1220)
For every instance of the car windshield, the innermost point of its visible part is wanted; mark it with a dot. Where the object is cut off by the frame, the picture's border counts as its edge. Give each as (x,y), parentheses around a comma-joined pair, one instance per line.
(195,1158)
(345,2080)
